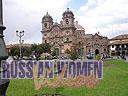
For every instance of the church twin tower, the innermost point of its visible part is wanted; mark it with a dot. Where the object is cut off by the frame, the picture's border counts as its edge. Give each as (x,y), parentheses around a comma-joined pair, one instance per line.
(67,20)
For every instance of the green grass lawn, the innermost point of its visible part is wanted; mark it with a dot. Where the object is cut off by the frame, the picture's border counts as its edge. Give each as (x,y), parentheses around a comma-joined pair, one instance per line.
(114,83)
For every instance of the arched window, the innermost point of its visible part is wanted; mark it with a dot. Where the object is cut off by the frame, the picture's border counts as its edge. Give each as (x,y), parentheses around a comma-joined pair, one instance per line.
(45,34)
(45,25)
(67,32)
(45,41)
(57,51)
(67,39)
(67,22)
(112,46)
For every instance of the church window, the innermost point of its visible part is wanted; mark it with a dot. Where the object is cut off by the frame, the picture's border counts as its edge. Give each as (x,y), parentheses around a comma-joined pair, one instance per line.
(45,25)
(79,43)
(45,41)
(67,21)
(67,39)
(45,34)
(112,46)
(67,32)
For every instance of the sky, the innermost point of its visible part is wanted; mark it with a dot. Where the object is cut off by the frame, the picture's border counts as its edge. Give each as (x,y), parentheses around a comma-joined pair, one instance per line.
(109,17)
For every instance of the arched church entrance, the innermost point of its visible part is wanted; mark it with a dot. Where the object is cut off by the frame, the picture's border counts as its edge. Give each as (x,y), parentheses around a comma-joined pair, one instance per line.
(96,52)
(57,51)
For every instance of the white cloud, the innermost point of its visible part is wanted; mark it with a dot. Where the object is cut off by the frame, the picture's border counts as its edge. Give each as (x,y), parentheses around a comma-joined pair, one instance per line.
(26,15)
(105,16)
(110,17)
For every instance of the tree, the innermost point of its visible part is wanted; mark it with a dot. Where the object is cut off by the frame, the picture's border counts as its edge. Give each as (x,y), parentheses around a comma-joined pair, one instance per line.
(46,48)
(67,51)
(72,54)
(34,47)
(41,48)
(26,51)
(54,52)
(14,51)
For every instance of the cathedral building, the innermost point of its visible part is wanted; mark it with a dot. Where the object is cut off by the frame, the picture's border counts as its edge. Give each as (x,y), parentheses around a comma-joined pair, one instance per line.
(68,34)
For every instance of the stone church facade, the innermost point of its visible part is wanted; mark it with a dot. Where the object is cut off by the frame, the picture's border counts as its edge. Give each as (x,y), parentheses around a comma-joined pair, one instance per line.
(68,34)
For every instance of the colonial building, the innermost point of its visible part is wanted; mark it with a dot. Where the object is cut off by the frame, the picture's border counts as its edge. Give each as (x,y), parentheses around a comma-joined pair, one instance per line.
(8,47)
(68,34)
(119,45)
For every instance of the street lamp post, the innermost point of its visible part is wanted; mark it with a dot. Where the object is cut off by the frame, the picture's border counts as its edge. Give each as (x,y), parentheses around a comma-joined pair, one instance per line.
(20,34)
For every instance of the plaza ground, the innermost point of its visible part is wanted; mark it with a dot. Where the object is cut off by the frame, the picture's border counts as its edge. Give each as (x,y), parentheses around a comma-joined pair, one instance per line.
(114,83)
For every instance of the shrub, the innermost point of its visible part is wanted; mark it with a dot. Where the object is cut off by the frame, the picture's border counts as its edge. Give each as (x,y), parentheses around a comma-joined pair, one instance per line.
(73,55)
(98,57)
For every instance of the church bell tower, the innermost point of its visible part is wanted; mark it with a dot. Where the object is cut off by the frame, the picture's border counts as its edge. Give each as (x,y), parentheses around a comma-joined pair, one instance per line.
(68,18)
(47,22)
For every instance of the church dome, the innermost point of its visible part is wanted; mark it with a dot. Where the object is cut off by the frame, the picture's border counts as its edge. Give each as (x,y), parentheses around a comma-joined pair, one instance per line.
(47,17)
(78,27)
(68,12)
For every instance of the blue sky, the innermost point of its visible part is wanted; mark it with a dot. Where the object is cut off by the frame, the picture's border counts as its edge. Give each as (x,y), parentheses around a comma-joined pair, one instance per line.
(110,17)
(76,4)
